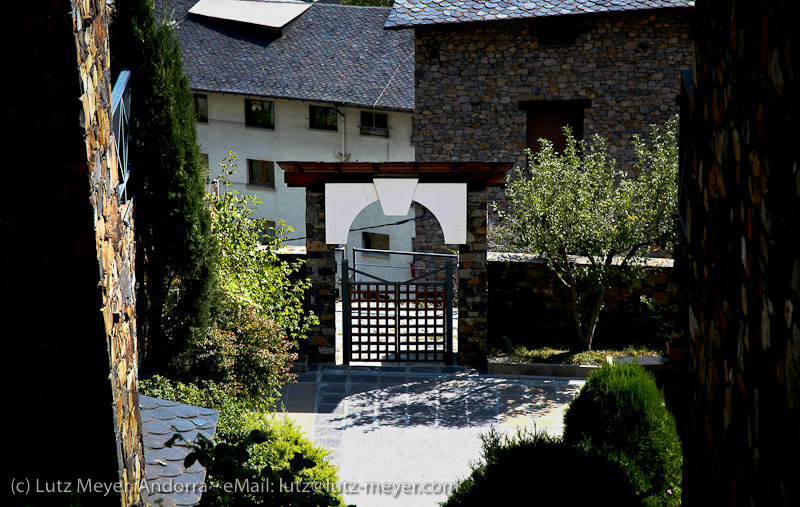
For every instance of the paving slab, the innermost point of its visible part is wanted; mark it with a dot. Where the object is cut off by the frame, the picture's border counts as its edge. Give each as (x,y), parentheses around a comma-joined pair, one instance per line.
(407,434)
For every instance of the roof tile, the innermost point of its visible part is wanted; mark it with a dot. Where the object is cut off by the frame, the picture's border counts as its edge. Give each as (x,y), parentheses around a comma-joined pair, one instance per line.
(407,13)
(331,53)
(169,483)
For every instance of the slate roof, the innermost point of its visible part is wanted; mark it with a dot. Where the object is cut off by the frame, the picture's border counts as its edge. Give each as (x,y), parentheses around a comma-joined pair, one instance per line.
(169,483)
(409,13)
(331,53)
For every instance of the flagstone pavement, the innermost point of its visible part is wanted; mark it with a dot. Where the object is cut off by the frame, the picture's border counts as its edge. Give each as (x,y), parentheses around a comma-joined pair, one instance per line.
(404,435)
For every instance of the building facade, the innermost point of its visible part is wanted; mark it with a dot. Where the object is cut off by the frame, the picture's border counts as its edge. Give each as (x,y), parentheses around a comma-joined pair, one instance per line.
(298,81)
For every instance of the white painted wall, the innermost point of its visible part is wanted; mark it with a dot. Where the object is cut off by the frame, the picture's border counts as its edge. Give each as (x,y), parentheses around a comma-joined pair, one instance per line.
(400,238)
(291,140)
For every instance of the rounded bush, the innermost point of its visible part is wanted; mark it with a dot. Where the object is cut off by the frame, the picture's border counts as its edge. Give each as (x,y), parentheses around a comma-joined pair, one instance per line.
(541,470)
(620,413)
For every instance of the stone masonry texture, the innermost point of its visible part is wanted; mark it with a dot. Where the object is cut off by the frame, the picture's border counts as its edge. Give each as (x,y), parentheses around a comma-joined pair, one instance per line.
(471,79)
(742,181)
(67,264)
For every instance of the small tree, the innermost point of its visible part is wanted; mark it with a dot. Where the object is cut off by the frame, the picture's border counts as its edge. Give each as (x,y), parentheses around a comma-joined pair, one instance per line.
(261,314)
(591,223)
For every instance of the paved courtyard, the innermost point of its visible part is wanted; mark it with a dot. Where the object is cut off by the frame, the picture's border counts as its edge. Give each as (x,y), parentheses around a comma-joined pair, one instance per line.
(404,435)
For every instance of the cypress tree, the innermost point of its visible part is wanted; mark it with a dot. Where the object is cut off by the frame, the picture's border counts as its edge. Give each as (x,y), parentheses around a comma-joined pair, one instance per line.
(175,252)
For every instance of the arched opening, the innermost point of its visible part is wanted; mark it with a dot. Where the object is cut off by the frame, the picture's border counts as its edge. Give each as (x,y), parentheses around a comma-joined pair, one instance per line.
(399,289)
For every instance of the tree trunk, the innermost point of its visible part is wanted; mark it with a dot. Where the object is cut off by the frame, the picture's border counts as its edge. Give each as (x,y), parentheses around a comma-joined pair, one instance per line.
(591,323)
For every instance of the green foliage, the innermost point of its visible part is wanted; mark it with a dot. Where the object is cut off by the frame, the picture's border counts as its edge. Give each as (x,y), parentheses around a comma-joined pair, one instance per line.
(250,270)
(620,413)
(244,350)
(175,253)
(254,447)
(536,465)
(521,353)
(260,315)
(589,221)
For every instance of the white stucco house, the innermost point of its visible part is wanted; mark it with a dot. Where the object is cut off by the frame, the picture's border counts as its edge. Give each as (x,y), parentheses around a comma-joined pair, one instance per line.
(279,80)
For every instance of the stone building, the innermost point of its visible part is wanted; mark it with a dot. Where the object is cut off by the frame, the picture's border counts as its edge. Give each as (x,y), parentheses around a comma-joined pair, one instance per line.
(740,214)
(492,78)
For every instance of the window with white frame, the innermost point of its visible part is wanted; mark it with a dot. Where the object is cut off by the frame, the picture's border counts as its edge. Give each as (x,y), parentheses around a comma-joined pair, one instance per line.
(374,124)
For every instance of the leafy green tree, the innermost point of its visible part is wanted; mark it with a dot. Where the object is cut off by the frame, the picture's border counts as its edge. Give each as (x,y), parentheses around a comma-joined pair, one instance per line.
(592,224)
(175,253)
(261,317)
(250,268)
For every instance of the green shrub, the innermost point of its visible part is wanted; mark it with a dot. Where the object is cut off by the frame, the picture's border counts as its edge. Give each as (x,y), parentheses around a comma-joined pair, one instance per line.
(542,468)
(245,350)
(252,446)
(285,441)
(620,413)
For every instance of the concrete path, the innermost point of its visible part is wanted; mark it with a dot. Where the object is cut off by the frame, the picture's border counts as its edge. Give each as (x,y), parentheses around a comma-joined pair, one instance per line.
(405,435)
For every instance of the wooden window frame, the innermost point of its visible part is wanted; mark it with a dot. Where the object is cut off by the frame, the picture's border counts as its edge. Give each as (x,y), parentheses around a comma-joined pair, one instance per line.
(268,168)
(201,107)
(544,117)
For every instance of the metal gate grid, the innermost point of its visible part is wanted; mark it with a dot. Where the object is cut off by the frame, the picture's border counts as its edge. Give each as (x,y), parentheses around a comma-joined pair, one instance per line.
(387,321)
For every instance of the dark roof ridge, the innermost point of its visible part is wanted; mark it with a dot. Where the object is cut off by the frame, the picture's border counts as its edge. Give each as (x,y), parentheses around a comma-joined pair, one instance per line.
(410,13)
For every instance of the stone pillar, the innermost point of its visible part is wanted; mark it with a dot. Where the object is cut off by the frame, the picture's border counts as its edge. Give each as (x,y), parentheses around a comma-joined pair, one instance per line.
(321,270)
(472,282)
(742,230)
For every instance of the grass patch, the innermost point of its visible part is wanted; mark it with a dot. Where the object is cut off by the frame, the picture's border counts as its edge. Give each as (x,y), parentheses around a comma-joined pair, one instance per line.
(554,355)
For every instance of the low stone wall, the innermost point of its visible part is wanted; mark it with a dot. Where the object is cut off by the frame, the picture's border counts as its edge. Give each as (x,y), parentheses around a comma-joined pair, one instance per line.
(528,301)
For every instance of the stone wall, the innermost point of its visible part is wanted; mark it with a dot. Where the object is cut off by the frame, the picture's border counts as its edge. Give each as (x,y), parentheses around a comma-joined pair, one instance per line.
(741,214)
(321,271)
(67,264)
(473,303)
(471,79)
(528,302)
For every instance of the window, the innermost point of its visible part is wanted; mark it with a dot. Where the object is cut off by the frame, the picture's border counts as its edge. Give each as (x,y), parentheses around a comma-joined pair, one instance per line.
(325,118)
(374,124)
(261,172)
(259,113)
(201,107)
(267,231)
(547,118)
(375,241)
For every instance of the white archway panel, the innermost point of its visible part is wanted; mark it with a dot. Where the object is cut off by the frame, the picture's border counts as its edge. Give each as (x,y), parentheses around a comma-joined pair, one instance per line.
(344,201)
(448,203)
(395,195)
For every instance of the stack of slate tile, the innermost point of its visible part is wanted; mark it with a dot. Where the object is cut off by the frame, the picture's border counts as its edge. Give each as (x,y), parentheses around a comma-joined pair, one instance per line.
(168,482)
